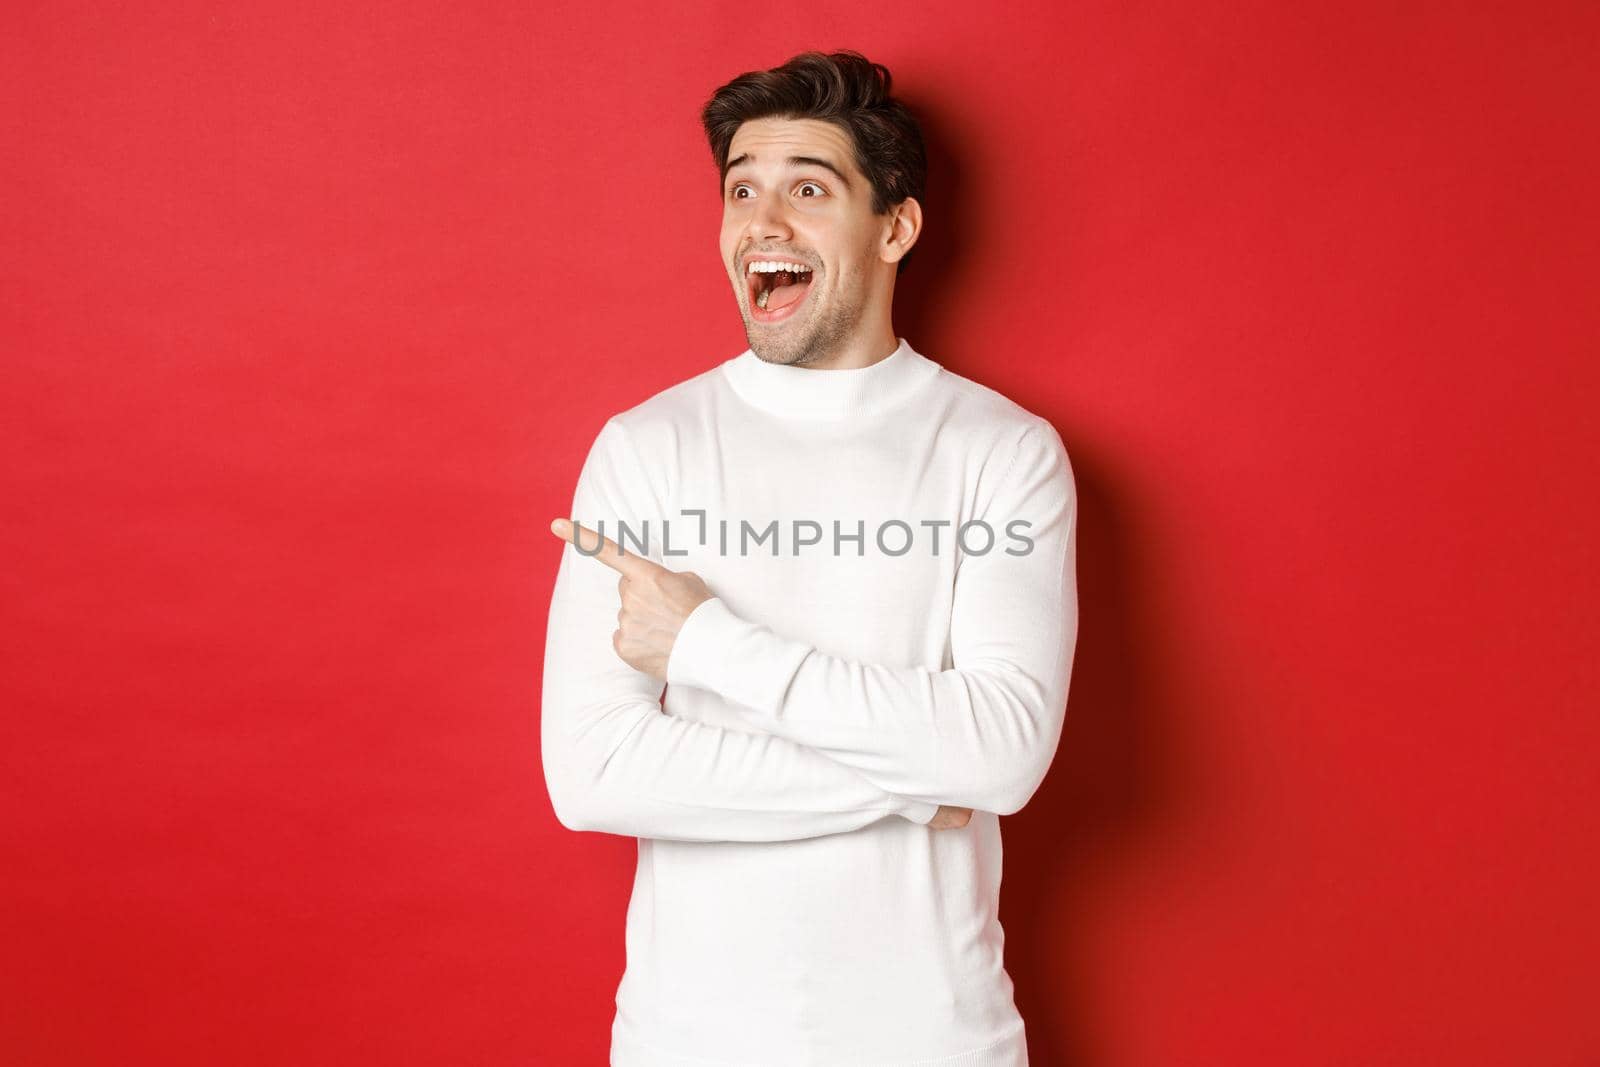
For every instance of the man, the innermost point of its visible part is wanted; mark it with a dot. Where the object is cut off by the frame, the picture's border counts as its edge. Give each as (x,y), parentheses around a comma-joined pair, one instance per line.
(855,572)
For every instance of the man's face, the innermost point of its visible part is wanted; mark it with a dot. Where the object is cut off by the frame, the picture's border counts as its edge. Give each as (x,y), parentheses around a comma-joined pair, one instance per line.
(818,214)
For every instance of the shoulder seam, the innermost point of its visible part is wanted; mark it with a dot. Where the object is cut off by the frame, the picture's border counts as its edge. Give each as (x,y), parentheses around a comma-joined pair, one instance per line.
(638,464)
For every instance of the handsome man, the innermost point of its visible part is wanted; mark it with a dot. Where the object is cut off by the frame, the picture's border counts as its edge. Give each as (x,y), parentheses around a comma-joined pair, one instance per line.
(855,571)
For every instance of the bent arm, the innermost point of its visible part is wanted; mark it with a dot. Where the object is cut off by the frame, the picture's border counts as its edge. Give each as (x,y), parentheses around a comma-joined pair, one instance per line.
(615,762)
(980,735)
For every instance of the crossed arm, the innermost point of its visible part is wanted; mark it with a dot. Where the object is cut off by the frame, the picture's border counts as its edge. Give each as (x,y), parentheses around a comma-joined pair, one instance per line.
(615,762)
(835,744)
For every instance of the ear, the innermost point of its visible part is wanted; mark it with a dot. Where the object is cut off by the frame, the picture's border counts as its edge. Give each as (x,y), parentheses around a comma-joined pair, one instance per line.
(902,229)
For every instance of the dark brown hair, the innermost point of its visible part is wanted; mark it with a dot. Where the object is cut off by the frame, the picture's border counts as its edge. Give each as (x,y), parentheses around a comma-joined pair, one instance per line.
(844,88)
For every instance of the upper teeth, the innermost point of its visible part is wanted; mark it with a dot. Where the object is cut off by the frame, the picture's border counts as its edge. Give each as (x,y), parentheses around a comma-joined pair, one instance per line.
(767,266)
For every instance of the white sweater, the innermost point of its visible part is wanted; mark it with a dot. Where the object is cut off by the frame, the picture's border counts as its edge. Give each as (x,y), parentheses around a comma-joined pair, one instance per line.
(789,905)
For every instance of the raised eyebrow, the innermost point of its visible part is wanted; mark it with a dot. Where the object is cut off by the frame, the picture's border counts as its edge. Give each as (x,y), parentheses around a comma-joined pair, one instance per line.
(793,161)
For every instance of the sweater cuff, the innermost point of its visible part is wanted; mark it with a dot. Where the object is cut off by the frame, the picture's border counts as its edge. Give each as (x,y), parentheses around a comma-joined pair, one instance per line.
(702,645)
(918,811)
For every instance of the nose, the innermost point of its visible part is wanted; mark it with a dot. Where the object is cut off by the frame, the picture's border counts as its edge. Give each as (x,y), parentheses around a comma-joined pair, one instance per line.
(770,220)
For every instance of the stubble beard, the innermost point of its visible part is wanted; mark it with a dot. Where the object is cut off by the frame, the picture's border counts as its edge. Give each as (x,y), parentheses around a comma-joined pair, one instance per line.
(797,346)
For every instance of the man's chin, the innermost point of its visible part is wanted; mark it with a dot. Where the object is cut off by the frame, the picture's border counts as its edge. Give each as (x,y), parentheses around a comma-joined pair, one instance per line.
(772,345)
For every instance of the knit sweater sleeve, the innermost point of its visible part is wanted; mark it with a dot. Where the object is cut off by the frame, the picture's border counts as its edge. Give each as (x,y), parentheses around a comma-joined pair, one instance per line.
(615,762)
(981,734)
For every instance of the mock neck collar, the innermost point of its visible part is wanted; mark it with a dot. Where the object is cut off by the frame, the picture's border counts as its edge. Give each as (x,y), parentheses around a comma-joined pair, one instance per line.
(810,392)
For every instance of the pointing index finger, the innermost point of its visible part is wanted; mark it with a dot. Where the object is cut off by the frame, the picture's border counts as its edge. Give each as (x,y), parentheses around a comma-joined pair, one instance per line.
(609,553)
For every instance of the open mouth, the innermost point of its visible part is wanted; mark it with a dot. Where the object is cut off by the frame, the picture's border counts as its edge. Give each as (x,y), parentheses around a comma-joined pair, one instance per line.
(776,293)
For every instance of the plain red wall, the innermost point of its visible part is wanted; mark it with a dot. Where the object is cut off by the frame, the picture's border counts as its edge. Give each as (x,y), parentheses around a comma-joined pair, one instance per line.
(311,313)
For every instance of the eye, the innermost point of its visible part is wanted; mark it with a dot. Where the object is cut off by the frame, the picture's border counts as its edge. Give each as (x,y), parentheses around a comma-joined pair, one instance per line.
(733,193)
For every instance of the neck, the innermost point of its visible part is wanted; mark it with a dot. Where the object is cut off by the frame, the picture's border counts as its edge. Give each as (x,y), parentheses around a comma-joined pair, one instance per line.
(821,392)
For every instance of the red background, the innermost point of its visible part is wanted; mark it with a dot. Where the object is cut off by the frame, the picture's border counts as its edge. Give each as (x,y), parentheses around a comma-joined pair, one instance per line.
(311,314)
